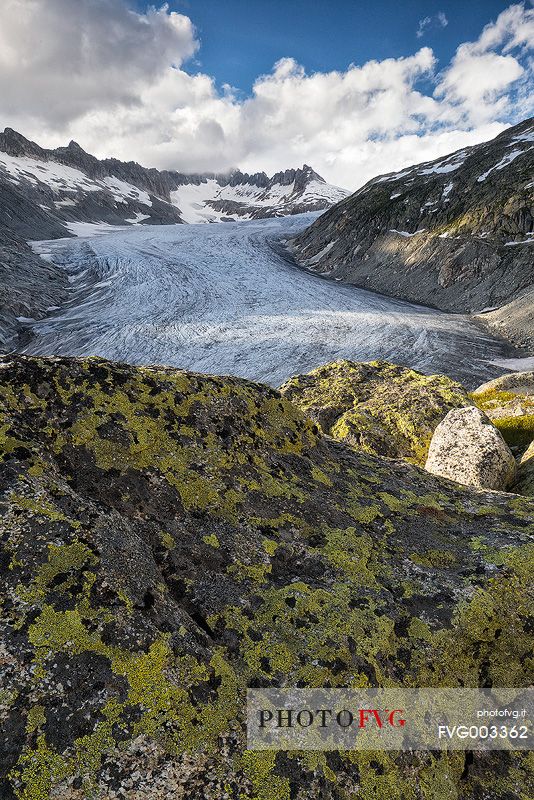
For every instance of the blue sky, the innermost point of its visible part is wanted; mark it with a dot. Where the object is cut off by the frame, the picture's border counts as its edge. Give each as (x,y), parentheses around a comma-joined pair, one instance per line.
(242,39)
(345,86)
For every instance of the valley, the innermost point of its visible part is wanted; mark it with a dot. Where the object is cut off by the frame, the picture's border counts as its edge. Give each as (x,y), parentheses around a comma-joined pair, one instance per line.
(226,299)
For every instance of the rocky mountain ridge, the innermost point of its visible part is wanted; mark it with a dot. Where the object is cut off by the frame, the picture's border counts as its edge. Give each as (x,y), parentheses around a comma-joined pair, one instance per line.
(455,233)
(67,186)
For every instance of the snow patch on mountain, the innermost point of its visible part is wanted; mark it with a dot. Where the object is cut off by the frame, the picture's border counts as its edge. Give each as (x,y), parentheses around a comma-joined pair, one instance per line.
(58,177)
(209,201)
(505,160)
(406,234)
(73,187)
(123,191)
(441,169)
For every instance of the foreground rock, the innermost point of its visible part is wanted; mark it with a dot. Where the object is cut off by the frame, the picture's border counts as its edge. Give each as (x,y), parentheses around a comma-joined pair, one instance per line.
(377,407)
(169,539)
(467,448)
(520,384)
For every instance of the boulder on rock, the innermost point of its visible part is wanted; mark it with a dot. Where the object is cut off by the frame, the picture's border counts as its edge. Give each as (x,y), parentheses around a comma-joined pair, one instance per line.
(516,382)
(509,402)
(380,408)
(468,448)
(525,474)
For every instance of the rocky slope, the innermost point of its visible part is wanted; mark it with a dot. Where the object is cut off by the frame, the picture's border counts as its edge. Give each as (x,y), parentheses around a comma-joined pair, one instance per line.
(30,288)
(59,189)
(169,539)
(456,233)
(515,320)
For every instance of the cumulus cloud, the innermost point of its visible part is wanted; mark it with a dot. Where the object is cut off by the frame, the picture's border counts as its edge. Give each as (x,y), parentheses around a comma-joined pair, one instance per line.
(59,59)
(487,76)
(113,80)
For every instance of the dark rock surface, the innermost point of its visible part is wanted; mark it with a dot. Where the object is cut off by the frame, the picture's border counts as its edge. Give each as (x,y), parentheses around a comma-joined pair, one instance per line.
(168,539)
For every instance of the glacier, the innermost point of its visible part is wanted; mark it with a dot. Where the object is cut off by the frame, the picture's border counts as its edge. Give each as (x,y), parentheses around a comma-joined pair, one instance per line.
(227,299)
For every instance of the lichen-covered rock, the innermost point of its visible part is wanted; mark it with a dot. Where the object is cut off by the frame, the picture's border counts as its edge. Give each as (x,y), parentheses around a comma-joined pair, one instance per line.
(525,479)
(518,383)
(509,402)
(377,407)
(525,474)
(169,539)
(467,448)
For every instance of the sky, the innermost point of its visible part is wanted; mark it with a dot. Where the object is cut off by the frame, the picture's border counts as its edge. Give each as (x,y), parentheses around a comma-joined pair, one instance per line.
(324,35)
(355,89)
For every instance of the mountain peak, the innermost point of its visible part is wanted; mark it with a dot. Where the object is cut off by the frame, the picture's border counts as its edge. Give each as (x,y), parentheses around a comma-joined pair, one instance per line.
(306,175)
(15,144)
(11,133)
(138,193)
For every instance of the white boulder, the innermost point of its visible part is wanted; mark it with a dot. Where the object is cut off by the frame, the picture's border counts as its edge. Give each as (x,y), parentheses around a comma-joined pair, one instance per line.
(467,448)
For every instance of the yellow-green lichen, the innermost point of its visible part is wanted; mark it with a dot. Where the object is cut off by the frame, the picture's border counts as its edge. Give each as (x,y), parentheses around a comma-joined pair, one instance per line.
(516,431)
(167,540)
(65,559)
(35,719)
(377,407)
(42,508)
(259,768)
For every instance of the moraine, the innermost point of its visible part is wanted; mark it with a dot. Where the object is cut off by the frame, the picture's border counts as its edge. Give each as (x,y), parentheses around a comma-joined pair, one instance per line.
(222,299)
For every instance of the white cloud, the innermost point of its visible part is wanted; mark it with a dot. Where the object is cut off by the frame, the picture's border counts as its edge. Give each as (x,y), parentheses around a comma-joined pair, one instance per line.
(423,25)
(438,21)
(125,94)
(479,78)
(514,27)
(60,59)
